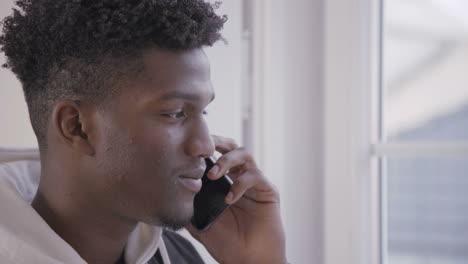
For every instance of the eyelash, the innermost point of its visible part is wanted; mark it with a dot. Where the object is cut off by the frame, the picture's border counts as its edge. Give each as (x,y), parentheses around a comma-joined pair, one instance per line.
(177,115)
(181,114)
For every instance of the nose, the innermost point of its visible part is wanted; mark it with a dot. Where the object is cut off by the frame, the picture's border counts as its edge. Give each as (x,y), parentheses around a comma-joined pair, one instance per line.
(199,142)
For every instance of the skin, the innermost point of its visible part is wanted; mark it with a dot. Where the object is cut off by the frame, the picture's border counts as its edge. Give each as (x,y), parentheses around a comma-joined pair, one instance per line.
(111,166)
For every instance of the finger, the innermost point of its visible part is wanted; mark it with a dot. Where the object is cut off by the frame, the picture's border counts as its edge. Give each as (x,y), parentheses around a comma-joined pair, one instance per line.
(263,192)
(236,172)
(235,158)
(241,185)
(223,144)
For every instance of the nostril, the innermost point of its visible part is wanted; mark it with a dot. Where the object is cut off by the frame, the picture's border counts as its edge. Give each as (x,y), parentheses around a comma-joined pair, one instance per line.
(199,142)
(199,148)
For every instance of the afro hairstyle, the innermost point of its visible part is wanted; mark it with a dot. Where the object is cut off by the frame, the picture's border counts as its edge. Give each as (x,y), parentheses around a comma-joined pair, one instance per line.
(84,50)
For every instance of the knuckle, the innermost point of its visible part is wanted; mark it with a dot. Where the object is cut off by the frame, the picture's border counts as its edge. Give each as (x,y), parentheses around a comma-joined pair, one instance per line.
(247,155)
(257,171)
(230,158)
(231,143)
(243,149)
(275,189)
(222,161)
(241,182)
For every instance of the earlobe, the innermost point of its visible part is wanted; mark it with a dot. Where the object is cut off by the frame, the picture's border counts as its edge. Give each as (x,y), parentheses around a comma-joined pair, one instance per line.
(69,123)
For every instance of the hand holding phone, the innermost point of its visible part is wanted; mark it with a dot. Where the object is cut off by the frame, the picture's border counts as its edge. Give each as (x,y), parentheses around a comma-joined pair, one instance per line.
(209,201)
(254,214)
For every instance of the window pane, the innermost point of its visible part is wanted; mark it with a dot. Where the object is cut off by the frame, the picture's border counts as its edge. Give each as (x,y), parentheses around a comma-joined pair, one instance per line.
(425,70)
(427,210)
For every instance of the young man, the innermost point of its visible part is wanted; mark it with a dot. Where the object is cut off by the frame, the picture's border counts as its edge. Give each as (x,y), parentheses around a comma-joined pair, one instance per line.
(116,91)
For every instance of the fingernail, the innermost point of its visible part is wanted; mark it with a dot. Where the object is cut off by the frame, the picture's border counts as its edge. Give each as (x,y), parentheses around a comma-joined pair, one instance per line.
(229,197)
(214,170)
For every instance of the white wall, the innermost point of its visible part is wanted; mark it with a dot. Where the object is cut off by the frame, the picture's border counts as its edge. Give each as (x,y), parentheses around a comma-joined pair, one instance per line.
(301,40)
(289,50)
(16,130)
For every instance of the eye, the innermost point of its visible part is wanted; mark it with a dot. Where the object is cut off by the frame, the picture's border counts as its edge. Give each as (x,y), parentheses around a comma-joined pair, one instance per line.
(205,112)
(176,115)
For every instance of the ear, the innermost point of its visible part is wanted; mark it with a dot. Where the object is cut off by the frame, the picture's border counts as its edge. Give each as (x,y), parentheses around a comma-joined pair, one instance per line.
(71,125)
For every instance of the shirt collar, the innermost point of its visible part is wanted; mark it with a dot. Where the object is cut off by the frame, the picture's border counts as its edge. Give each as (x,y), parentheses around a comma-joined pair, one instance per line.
(142,243)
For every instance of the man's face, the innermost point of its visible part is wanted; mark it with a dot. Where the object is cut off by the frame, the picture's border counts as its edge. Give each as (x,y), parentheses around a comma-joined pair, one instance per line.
(152,136)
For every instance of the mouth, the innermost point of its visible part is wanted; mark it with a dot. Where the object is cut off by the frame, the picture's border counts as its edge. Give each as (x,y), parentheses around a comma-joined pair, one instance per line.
(192,180)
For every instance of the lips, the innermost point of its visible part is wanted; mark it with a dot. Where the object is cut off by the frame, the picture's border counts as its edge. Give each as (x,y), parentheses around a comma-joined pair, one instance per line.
(191,180)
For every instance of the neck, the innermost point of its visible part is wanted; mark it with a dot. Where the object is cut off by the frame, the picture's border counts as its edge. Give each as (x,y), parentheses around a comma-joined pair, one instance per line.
(96,234)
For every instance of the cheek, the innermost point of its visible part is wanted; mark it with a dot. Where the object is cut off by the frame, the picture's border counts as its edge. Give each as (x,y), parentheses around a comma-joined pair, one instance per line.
(145,161)
(141,162)
(157,141)
(139,144)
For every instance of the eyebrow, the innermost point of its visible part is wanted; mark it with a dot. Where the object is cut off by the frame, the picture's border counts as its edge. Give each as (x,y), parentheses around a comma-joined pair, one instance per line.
(182,95)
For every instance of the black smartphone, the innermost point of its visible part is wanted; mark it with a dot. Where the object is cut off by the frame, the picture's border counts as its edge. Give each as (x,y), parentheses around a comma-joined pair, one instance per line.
(209,201)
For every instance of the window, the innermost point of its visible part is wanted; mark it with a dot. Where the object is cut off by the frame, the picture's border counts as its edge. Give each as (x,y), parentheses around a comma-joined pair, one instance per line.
(424,132)
(396,132)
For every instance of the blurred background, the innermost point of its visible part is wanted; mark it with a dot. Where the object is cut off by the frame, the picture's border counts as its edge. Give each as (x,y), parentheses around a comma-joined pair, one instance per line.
(357,110)
(426,99)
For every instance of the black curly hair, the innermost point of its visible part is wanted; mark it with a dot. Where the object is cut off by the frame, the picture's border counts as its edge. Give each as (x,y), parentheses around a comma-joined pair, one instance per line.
(85,50)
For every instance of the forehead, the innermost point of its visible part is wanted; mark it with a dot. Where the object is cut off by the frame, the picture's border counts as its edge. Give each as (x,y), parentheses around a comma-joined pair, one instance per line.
(162,66)
(168,72)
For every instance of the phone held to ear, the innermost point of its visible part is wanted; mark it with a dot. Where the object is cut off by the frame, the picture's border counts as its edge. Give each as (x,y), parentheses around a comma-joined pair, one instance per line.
(209,201)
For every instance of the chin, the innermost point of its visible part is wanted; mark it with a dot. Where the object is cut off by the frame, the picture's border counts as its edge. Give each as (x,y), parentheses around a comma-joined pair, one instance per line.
(176,224)
(178,218)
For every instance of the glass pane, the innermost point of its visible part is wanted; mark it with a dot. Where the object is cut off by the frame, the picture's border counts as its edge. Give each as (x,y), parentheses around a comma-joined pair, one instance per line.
(425,71)
(427,211)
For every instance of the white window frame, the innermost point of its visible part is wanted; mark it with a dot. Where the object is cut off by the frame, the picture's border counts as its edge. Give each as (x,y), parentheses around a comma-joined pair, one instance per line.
(351,186)
(421,149)
(286,115)
(350,216)
(355,218)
